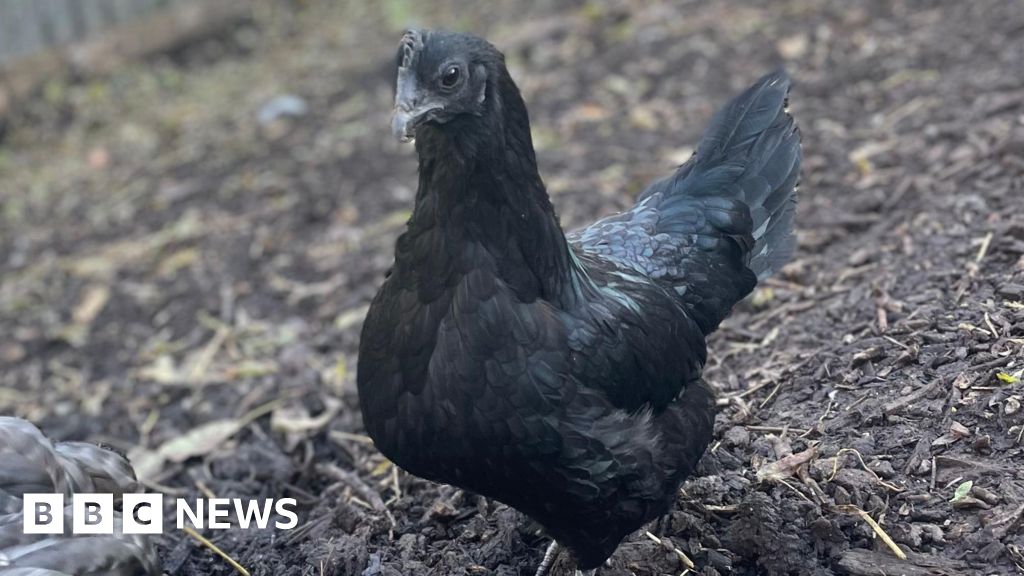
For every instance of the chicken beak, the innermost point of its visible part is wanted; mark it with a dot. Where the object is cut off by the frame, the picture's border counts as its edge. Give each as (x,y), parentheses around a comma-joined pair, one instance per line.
(411,107)
(403,124)
(405,120)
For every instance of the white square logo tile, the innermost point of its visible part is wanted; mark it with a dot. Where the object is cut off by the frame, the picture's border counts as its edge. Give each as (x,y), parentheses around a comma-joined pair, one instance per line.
(43,513)
(93,513)
(142,514)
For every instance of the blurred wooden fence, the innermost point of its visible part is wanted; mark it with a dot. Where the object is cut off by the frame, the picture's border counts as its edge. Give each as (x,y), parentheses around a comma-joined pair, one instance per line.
(29,26)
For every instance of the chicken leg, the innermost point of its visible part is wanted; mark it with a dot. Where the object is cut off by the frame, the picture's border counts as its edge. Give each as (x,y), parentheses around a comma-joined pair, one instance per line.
(550,555)
(554,549)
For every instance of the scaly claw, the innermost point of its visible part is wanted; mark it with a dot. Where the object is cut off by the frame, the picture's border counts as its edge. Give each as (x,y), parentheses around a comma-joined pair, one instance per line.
(549,559)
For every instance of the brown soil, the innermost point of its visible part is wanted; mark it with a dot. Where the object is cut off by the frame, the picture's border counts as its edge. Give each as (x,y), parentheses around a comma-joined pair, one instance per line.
(167,262)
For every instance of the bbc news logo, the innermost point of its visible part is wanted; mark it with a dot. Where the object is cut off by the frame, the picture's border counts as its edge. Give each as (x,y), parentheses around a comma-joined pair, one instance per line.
(93,513)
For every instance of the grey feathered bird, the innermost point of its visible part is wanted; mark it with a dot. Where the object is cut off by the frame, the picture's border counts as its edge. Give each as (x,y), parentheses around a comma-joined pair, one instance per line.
(31,463)
(561,374)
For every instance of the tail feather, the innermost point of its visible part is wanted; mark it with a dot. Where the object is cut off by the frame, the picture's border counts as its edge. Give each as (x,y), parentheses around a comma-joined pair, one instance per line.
(724,219)
(749,114)
(751,153)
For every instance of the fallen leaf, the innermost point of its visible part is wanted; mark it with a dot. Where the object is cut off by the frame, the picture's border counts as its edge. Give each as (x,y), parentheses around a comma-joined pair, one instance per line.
(785,467)
(1012,405)
(351,317)
(296,419)
(382,468)
(1007,378)
(183,258)
(962,490)
(958,429)
(162,371)
(762,297)
(91,304)
(250,369)
(198,441)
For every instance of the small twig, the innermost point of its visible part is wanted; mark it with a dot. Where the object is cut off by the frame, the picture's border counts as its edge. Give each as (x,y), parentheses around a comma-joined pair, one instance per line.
(985,242)
(794,489)
(776,429)
(338,437)
(360,502)
(727,399)
(369,496)
(858,401)
(909,399)
(835,469)
(205,489)
(394,481)
(821,419)
(854,271)
(812,485)
(896,342)
(213,547)
(197,372)
(882,318)
(991,326)
(744,409)
(952,482)
(682,555)
(164,488)
(851,509)
(770,396)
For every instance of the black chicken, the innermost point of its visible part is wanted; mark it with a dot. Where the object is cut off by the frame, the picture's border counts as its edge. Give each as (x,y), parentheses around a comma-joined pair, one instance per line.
(32,463)
(561,374)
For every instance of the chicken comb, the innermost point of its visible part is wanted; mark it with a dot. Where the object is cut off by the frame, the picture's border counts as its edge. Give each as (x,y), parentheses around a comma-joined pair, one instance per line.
(412,42)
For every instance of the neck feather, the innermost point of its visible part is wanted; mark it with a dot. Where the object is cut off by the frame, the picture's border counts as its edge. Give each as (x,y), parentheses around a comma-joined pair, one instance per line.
(481,203)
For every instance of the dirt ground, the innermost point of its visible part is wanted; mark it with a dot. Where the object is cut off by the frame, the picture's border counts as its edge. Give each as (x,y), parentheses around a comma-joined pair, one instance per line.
(185,281)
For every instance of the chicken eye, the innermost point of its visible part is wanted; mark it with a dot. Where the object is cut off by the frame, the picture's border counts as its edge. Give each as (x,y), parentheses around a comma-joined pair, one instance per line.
(450,77)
